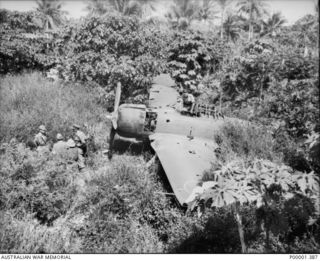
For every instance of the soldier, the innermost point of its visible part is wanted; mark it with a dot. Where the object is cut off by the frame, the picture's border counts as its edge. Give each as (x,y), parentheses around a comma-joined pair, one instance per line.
(81,138)
(81,160)
(60,147)
(188,99)
(71,151)
(41,138)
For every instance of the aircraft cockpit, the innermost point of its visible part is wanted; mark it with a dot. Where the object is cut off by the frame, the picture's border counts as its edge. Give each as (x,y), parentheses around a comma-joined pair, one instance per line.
(150,122)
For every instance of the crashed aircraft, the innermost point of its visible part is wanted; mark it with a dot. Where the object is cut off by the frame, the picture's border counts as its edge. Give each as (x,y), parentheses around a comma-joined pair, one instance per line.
(184,144)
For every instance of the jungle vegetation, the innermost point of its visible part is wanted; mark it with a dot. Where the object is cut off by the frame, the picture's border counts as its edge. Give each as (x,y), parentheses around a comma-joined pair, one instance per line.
(247,62)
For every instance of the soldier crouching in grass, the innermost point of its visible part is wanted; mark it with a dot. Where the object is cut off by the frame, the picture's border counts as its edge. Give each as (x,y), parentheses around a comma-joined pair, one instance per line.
(81,143)
(81,159)
(82,138)
(71,155)
(60,147)
(40,140)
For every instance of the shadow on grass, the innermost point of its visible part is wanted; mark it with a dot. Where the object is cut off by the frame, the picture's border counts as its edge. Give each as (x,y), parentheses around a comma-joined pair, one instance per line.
(144,148)
(218,235)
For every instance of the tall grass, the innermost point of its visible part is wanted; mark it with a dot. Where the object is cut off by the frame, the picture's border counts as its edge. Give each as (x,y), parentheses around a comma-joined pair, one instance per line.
(244,140)
(29,100)
(118,206)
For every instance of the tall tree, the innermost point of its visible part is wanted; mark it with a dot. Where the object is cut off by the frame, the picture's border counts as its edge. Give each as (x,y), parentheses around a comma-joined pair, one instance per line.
(182,13)
(97,7)
(207,11)
(253,10)
(223,7)
(273,25)
(125,7)
(52,13)
(232,26)
(307,29)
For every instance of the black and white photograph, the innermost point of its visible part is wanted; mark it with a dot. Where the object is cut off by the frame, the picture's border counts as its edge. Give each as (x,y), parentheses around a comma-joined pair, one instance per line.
(159,127)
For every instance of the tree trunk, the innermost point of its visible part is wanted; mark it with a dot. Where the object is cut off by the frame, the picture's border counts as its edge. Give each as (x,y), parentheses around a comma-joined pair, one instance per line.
(261,83)
(250,31)
(220,98)
(250,24)
(267,238)
(222,29)
(305,54)
(240,228)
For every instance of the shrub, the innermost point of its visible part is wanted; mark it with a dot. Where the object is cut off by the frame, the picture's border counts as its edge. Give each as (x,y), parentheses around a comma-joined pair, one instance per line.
(276,190)
(108,49)
(29,236)
(34,184)
(192,56)
(23,44)
(241,139)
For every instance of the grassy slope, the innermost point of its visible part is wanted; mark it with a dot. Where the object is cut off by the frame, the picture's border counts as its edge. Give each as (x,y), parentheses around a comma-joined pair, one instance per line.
(47,206)
(29,100)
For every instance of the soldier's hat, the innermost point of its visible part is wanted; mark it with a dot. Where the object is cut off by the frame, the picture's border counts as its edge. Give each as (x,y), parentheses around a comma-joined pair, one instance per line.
(42,128)
(59,136)
(71,143)
(76,126)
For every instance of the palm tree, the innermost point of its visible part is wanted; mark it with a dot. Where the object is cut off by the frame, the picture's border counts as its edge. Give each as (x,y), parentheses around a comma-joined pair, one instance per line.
(51,10)
(147,6)
(273,25)
(182,13)
(207,11)
(97,7)
(310,29)
(223,6)
(308,32)
(232,26)
(125,7)
(253,9)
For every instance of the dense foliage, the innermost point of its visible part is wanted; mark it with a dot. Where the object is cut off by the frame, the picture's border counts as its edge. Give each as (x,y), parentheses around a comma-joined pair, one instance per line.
(23,45)
(108,49)
(263,187)
(192,56)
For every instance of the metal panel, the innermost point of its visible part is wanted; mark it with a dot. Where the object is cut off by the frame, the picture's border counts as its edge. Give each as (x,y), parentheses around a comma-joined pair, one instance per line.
(131,118)
(162,93)
(184,160)
(162,96)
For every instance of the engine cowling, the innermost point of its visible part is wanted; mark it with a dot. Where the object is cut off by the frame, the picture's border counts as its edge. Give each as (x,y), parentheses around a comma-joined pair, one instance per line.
(131,120)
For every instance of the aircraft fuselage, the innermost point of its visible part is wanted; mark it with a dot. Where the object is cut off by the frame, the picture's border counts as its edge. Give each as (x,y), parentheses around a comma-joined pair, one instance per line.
(133,120)
(171,121)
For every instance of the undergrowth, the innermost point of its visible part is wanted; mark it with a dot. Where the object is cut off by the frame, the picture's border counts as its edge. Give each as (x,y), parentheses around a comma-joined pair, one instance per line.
(29,100)
(118,206)
(244,140)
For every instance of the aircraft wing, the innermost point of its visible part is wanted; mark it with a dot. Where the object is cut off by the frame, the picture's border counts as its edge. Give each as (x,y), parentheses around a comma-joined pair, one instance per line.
(184,160)
(162,93)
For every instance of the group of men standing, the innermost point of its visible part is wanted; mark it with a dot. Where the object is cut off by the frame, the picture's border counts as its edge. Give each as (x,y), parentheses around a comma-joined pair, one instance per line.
(72,150)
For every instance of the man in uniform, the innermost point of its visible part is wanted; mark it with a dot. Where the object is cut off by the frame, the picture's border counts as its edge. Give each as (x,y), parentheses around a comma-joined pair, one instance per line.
(81,160)
(188,99)
(41,140)
(80,138)
(71,151)
(41,137)
(60,147)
